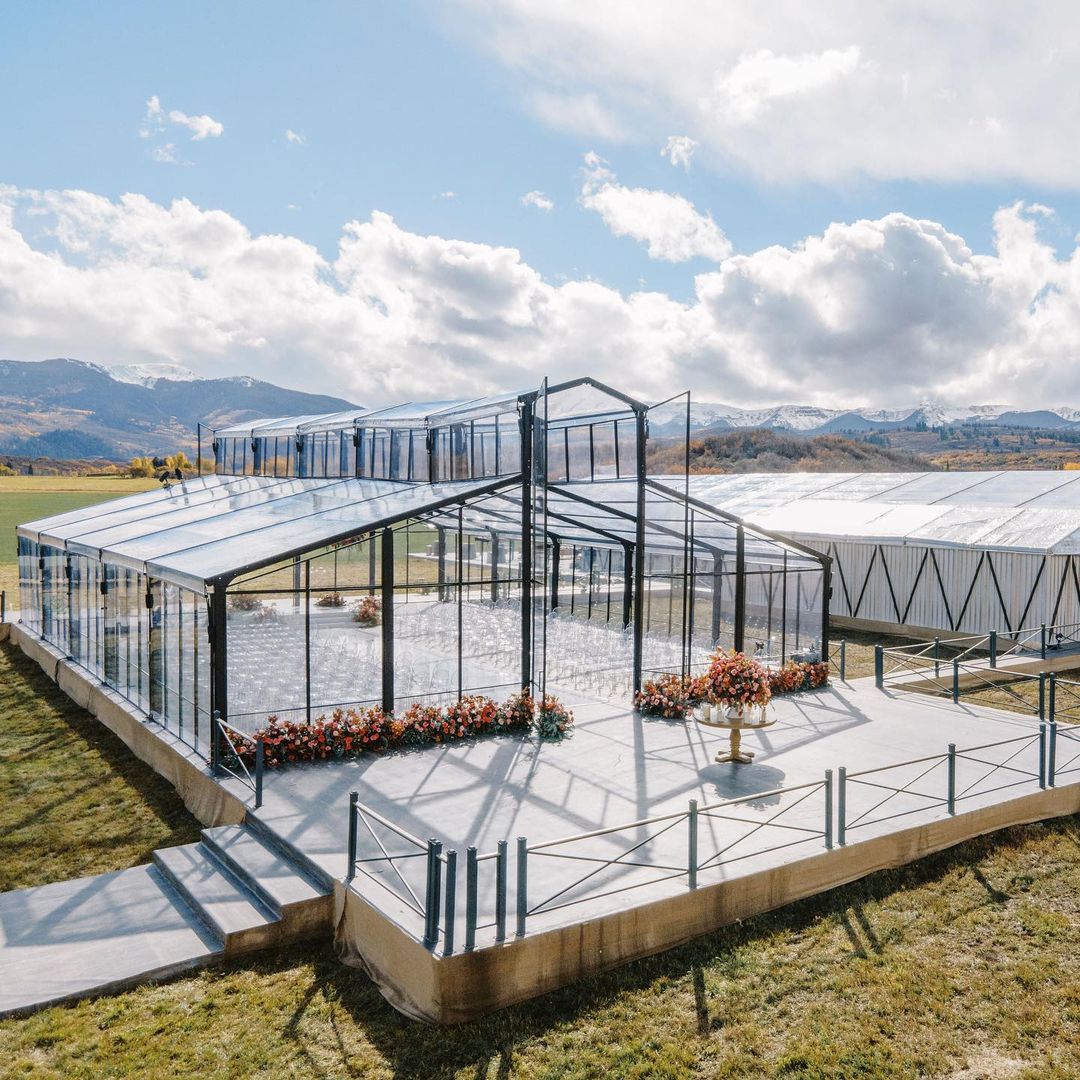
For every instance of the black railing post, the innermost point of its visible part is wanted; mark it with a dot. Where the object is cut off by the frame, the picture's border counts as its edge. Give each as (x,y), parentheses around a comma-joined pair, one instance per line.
(215,743)
(841,806)
(843,659)
(956,680)
(450,910)
(350,873)
(828,809)
(1051,754)
(1042,695)
(522,884)
(1042,642)
(691,845)
(937,658)
(1053,697)
(260,758)
(500,891)
(431,896)
(3,606)
(1042,756)
(879,667)
(951,765)
(471,876)
(993,648)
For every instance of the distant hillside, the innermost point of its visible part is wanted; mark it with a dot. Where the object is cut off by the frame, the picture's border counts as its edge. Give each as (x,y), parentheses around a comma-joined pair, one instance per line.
(72,409)
(754,450)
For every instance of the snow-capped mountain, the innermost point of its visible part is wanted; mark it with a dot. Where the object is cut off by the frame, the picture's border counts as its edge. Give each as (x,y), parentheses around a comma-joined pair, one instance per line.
(149,374)
(813,420)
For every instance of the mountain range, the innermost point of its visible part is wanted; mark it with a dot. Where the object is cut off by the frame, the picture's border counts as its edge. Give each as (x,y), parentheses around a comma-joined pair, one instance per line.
(709,417)
(64,408)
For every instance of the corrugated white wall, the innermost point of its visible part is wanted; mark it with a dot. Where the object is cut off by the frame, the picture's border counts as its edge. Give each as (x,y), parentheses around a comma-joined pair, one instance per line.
(959,595)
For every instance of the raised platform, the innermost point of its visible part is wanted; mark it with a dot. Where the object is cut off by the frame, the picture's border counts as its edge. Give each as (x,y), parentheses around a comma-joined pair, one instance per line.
(618,887)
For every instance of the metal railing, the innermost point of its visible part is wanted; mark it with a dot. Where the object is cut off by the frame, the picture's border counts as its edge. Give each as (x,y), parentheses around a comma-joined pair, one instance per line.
(227,755)
(438,907)
(920,657)
(838,659)
(1071,763)
(935,794)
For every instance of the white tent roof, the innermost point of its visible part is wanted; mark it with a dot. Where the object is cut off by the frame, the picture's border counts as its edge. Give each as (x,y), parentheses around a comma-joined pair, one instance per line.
(1037,511)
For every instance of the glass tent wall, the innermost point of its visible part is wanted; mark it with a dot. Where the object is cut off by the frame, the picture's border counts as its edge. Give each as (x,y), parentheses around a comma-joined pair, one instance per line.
(257,594)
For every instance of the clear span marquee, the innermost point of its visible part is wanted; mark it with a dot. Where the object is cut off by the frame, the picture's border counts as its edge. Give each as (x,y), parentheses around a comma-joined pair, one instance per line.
(415,554)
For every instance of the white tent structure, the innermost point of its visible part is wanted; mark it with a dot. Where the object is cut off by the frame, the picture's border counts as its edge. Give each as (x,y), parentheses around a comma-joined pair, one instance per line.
(942,551)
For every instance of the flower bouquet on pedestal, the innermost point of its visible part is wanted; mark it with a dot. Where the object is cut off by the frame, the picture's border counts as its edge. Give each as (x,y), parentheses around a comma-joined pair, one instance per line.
(738,685)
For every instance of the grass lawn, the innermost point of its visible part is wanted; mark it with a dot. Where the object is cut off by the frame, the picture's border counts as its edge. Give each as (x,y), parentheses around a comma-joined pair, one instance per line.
(27,498)
(73,799)
(963,965)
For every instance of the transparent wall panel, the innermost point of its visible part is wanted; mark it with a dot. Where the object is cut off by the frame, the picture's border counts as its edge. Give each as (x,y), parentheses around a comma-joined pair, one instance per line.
(267,669)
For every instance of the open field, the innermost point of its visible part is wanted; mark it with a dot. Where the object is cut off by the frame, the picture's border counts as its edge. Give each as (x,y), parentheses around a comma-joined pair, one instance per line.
(26,498)
(965,961)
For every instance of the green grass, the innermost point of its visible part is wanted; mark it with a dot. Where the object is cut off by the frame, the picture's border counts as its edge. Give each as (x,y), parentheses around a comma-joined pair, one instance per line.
(73,799)
(28,498)
(965,958)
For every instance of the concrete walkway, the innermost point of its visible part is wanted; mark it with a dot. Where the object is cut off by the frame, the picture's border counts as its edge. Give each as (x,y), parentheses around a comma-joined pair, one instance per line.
(196,904)
(96,934)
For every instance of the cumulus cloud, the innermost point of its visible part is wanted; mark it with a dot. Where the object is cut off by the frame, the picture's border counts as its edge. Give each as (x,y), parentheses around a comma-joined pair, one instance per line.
(669,225)
(201,127)
(295,137)
(679,150)
(790,90)
(538,200)
(875,312)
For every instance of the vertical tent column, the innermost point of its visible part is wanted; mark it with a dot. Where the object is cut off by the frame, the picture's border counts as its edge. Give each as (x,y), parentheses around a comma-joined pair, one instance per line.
(716,621)
(740,589)
(556,556)
(826,598)
(440,551)
(628,584)
(641,433)
(219,662)
(494,566)
(387,544)
(527,487)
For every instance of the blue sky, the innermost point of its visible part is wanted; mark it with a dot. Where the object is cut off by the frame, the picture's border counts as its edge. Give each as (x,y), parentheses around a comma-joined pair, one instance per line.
(398,104)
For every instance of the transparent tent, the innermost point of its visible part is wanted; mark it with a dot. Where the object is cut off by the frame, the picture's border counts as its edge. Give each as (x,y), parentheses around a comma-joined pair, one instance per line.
(502,543)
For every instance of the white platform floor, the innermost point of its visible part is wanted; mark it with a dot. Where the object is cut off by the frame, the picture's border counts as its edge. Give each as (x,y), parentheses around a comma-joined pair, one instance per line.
(618,768)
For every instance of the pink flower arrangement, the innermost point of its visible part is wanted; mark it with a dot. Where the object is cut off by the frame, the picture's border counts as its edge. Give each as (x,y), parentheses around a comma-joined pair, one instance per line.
(732,679)
(348,733)
(368,612)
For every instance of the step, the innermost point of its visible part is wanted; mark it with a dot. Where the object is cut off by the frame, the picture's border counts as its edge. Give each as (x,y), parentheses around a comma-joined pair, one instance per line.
(305,905)
(305,863)
(239,918)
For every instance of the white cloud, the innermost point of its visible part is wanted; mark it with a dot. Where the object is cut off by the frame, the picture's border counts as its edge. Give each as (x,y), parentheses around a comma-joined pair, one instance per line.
(447,194)
(538,200)
(794,91)
(295,137)
(155,121)
(876,312)
(669,224)
(679,150)
(762,78)
(201,127)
